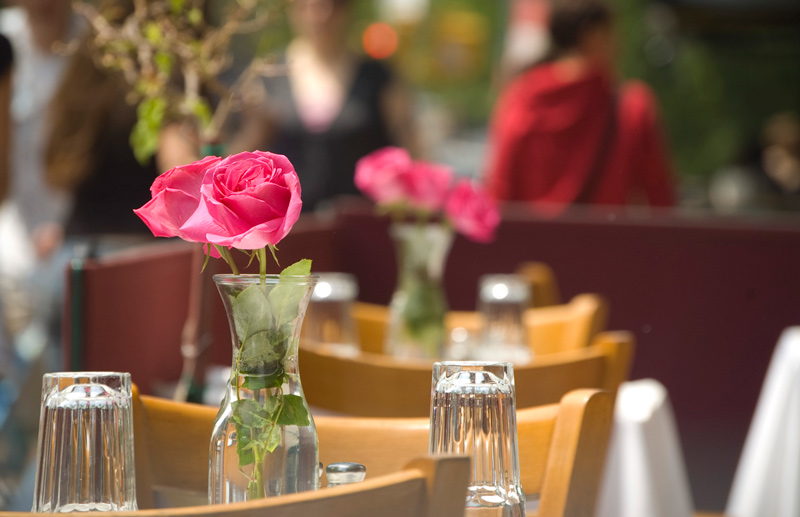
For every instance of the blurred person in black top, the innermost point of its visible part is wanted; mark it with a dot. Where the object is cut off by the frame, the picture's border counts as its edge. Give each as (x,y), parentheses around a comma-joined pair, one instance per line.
(332,106)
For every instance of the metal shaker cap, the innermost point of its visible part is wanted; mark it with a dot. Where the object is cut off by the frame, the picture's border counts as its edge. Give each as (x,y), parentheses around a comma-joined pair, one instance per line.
(344,473)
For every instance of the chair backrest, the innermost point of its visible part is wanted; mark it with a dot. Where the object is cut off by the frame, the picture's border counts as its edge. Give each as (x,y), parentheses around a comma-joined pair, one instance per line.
(550,329)
(171,451)
(375,385)
(544,287)
(126,312)
(562,447)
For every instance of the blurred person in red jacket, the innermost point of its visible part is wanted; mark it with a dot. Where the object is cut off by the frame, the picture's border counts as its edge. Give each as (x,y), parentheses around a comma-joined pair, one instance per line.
(564,132)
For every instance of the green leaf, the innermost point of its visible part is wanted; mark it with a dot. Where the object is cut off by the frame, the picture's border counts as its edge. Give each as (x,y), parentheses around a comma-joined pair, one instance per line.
(271,438)
(252,312)
(244,448)
(261,353)
(248,413)
(201,110)
(176,6)
(144,141)
(294,411)
(152,33)
(286,295)
(271,406)
(260,382)
(163,62)
(144,137)
(300,268)
(195,16)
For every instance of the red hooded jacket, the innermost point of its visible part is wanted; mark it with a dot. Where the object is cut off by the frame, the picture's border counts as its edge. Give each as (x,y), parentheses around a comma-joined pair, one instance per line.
(553,142)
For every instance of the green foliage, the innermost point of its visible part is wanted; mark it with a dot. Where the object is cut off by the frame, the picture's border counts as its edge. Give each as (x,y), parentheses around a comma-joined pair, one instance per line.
(164,62)
(176,6)
(144,137)
(167,51)
(248,413)
(263,320)
(294,411)
(152,33)
(719,87)
(195,17)
(300,268)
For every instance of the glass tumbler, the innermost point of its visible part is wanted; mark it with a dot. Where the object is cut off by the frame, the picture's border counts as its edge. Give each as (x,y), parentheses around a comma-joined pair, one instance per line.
(502,300)
(329,319)
(473,412)
(84,459)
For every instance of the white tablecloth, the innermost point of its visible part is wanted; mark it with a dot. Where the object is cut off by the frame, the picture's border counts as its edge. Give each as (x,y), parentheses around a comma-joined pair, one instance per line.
(645,474)
(767,481)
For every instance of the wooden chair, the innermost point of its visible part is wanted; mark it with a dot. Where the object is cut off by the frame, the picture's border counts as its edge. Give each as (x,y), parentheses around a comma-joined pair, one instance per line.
(562,447)
(544,288)
(550,329)
(427,487)
(126,312)
(375,385)
(171,453)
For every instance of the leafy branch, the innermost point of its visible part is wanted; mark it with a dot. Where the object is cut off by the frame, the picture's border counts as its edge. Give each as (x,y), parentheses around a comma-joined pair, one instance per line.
(263,320)
(172,59)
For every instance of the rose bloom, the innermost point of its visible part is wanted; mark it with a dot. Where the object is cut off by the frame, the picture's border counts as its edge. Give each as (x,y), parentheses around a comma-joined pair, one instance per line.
(175,197)
(427,185)
(245,201)
(472,212)
(381,175)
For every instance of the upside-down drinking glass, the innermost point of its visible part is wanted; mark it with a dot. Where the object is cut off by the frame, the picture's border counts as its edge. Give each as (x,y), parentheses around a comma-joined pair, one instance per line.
(502,300)
(329,319)
(473,412)
(84,460)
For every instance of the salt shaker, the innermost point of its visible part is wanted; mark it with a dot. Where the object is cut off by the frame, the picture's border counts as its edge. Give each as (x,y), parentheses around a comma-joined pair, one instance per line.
(345,473)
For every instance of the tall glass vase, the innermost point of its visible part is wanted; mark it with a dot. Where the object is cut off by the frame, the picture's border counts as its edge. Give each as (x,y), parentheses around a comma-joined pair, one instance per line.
(418,307)
(264,441)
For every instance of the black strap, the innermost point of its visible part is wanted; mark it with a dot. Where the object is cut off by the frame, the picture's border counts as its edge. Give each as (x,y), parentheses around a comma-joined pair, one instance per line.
(590,185)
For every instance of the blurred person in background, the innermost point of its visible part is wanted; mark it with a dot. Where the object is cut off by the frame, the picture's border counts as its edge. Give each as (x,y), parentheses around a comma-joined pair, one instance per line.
(73,178)
(330,108)
(32,214)
(563,132)
(767,175)
(73,185)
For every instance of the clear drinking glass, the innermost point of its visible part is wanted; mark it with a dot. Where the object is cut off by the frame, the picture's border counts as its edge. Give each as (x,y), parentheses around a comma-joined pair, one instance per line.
(502,300)
(84,459)
(473,412)
(329,318)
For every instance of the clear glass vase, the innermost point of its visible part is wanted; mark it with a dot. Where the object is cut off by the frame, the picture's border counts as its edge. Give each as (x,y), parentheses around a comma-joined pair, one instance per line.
(418,307)
(264,441)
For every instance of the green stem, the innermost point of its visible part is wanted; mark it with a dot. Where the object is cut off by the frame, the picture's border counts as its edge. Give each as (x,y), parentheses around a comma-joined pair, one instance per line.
(259,479)
(225,253)
(257,491)
(262,265)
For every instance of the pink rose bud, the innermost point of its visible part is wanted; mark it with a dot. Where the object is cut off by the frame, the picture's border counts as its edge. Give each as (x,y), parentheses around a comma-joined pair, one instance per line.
(175,197)
(472,212)
(381,175)
(248,200)
(427,185)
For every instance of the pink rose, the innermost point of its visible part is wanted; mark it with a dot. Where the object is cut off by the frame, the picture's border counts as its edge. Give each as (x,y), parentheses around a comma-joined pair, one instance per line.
(381,175)
(472,212)
(175,197)
(248,200)
(427,185)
